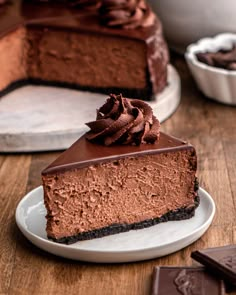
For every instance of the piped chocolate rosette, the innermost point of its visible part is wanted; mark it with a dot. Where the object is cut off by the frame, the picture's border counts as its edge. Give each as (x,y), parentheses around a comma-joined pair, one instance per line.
(124,121)
(128,14)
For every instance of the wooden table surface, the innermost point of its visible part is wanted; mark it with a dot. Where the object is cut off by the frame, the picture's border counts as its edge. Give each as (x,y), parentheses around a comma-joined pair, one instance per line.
(25,269)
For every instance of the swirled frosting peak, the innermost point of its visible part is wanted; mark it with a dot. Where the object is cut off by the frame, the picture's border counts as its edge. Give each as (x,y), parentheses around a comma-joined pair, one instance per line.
(128,14)
(124,121)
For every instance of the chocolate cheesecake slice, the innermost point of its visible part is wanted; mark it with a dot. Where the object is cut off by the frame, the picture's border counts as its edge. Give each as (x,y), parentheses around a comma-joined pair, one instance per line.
(118,47)
(124,174)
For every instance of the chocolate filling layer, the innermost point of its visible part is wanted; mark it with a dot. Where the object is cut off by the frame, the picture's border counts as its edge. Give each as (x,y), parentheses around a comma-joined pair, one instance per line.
(180,214)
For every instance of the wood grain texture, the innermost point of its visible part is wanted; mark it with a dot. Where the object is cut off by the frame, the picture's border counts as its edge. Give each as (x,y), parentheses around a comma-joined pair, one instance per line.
(25,269)
(13,180)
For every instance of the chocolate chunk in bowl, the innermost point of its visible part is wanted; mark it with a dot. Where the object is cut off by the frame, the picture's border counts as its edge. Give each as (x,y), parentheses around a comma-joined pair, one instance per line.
(224,59)
(212,63)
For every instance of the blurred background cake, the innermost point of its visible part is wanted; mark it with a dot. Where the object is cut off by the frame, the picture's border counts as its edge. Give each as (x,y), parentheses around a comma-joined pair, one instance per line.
(100,46)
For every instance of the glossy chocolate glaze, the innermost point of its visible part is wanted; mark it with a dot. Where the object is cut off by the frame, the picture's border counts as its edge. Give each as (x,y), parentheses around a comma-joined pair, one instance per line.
(59,16)
(84,153)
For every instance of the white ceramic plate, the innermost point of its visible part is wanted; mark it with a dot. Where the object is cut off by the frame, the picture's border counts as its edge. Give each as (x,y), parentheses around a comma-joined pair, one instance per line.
(156,241)
(57,116)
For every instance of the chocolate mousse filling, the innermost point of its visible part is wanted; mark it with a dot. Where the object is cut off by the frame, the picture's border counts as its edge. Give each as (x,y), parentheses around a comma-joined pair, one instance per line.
(179,214)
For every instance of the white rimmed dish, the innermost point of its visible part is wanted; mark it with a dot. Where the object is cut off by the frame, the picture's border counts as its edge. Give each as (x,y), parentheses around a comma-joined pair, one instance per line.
(156,241)
(215,83)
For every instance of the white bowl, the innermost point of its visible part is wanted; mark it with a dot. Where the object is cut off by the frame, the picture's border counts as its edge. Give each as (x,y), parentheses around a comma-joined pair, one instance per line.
(216,83)
(186,21)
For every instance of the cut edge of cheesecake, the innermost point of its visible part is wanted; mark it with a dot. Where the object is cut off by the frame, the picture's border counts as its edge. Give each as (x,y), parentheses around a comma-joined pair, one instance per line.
(84,154)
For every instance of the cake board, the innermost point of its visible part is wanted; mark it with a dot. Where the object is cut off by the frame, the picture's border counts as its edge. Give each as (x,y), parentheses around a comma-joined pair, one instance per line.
(42,118)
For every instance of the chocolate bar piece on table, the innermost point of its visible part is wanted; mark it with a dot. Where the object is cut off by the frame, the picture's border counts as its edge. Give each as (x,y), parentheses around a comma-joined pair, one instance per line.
(185,280)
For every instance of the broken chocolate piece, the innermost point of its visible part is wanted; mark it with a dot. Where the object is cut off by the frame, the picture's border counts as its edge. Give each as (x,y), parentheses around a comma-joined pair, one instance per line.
(185,281)
(220,260)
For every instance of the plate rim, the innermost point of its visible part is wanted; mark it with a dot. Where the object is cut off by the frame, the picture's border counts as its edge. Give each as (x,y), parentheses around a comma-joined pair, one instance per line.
(25,230)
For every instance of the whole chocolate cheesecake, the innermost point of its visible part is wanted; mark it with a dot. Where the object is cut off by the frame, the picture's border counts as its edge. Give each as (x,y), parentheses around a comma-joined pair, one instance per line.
(123,174)
(101,46)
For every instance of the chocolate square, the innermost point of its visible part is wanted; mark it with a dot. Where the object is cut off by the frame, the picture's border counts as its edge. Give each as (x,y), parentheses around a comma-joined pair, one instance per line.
(220,260)
(186,281)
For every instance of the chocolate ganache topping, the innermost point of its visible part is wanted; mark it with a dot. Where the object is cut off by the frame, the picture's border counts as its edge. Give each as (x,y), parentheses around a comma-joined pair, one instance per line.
(128,14)
(124,121)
